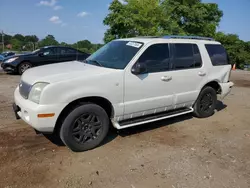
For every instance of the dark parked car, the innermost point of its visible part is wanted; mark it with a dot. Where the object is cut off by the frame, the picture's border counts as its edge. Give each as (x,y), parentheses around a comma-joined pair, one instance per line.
(1,58)
(7,54)
(43,56)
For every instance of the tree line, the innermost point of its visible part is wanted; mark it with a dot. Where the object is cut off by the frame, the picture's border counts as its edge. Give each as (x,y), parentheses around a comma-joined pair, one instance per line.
(20,42)
(173,17)
(153,18)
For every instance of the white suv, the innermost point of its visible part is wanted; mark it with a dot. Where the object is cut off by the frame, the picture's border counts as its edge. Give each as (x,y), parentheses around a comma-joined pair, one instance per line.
(127,82)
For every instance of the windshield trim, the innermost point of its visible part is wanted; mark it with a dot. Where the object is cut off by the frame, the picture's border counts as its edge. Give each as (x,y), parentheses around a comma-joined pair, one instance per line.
(36,51)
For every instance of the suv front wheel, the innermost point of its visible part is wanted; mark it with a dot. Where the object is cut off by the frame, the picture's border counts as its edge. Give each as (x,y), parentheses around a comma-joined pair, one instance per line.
(85,127)
(206,103)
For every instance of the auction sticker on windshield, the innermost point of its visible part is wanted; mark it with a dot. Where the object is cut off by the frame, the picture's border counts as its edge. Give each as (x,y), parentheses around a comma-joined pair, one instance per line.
(134,44)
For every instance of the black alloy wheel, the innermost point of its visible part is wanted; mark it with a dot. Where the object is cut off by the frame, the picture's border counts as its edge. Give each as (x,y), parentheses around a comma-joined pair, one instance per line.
(86,128)
(23,67)
(205,103)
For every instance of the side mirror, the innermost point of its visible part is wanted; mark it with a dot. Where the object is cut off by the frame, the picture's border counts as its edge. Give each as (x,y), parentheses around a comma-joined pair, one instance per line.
(41,54)
(139,68)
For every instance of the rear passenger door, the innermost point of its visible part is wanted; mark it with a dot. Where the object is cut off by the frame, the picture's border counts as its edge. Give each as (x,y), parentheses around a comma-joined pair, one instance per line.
(67,54)
(188,73)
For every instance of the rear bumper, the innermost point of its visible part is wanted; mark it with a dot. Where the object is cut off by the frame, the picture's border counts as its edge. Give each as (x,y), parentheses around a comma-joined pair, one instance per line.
(225,89)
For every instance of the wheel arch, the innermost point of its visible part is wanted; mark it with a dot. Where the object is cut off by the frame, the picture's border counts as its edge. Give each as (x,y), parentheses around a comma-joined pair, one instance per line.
(215,85)
(24,61)
(21,62)
(101,101)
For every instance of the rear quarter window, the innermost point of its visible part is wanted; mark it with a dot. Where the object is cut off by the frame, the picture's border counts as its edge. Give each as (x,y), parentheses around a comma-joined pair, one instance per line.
(217,54)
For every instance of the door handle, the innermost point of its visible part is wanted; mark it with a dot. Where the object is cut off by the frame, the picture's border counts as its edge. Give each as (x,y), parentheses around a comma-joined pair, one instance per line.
(202,74)
(166,78)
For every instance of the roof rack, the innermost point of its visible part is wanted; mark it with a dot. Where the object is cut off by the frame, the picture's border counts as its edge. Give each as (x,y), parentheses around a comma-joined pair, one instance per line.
(147,37)
(187,37)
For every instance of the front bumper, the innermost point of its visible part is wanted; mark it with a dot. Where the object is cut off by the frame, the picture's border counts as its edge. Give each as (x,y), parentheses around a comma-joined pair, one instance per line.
(28,111)
(7,67)
(225,89)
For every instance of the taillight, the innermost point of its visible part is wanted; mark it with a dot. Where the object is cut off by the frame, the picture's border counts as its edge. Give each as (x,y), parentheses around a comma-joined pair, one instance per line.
(229,75)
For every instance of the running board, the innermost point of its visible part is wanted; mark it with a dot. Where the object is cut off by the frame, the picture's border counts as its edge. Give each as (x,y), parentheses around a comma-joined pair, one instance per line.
(151,118)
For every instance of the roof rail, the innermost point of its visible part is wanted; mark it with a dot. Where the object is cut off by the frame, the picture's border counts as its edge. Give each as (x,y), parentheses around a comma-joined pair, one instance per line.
(187,37)
(147,37)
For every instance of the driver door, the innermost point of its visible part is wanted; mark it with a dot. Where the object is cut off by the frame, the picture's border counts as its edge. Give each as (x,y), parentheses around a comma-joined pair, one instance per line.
(49,56)
(149,92)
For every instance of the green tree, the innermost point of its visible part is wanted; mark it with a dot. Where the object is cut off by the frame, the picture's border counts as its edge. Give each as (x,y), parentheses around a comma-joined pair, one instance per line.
(83,44)
(31,38)
(64,44)
(238,50)
(48,40)
(86,46)
(95,47)
(16,44)
(193,16)
(7,39)
(19,37)
(133,19)
(161,17)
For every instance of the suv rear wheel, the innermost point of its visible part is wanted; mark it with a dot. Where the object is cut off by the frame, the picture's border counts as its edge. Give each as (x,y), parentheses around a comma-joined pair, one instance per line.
(206,103)
(85,127)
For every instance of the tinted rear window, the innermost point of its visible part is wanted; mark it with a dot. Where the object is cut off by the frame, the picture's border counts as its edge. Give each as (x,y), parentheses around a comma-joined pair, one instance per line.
(218,54)
(186,56)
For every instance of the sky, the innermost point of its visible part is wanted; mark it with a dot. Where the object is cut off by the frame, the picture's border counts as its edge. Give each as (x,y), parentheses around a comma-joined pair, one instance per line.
(73,20)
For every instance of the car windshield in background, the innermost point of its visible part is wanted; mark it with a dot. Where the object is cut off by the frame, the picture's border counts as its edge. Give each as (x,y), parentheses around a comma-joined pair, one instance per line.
(115,54)
(1,58)
(35,51)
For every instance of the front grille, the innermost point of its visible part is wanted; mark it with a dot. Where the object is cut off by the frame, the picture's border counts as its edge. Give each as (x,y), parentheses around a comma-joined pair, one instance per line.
(24,89)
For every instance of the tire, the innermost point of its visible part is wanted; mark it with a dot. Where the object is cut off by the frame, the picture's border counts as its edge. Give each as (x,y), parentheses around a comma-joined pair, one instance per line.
(206,103)
(23,67)
(54,138)
(85,127)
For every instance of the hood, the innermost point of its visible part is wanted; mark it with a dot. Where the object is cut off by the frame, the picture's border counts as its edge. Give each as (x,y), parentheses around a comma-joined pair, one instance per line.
(19,55)
(62,71)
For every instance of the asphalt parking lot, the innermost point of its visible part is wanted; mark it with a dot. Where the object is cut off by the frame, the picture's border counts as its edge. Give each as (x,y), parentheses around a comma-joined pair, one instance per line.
(183,152)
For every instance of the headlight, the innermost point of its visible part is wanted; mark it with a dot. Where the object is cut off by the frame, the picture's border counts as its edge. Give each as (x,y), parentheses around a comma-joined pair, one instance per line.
(36,91)
(11,60)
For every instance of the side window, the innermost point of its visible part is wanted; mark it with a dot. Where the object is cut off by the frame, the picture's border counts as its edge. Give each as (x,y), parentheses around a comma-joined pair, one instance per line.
(156,58)
(49,51)
(218,54)
(186,56)
(70,51)
(62,51)
(197,56)
(66,51)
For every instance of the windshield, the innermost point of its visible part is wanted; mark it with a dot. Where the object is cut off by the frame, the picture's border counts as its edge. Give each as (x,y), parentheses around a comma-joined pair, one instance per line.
(35,51)
(115,54)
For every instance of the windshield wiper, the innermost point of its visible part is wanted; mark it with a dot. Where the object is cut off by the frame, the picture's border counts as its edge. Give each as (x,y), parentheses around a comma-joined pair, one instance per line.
(96,62)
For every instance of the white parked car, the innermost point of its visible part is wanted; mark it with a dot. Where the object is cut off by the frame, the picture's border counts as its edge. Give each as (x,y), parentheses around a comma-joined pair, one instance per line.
(127,82)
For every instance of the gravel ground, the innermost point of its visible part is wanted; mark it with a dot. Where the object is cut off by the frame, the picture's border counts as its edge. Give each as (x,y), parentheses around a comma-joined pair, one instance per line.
(183,152)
